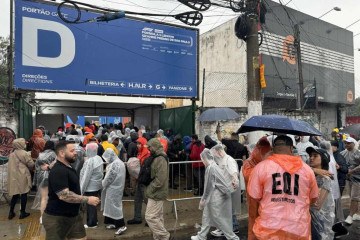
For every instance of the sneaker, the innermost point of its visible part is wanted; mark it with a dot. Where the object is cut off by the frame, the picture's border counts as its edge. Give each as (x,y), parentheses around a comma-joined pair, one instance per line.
(195,238)
(111,226)
(121,230)
(236,231)
(356,217)
(86,226)
(217,233)
(40,220)
(349,220)
(134,221)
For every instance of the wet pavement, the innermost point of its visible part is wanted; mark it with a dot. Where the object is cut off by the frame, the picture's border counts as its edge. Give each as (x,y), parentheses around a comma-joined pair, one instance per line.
(189,217)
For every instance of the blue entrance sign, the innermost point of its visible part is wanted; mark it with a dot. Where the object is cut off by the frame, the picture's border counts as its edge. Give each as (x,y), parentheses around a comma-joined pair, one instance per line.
(121,57)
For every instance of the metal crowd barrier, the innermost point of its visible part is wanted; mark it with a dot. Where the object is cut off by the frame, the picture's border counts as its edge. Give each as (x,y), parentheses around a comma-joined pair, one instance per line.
(184,182)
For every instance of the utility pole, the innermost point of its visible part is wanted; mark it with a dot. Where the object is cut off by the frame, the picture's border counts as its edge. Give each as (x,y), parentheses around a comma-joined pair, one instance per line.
(253,79)
(300,97)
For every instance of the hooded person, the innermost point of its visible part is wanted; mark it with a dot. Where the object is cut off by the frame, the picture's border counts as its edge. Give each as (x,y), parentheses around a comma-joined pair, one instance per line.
(19,178)
(143,154)
(80,153)
(126,138)
(112,193)
(176,154)
(87,138)
(302,146)
(335,189)
(259,153)
(216,200)
(45,161)
(230,171)
(36,143)
(132,149)
(91,176)
(285,187)
(157,191)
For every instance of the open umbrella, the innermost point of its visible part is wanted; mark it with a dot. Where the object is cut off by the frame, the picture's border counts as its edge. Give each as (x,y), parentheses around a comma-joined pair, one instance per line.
(353,130)
(278,124)
(218,114)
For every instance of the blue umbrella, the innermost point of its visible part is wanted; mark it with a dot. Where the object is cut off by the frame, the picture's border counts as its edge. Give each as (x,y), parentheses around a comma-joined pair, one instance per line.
(218,114)
(278,124)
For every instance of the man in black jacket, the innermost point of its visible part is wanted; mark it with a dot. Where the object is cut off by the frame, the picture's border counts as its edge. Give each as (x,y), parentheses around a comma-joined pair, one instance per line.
(342,168)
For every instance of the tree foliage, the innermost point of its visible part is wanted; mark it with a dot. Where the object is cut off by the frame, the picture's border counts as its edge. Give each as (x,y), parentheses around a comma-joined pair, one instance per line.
(355,109)
(4,76)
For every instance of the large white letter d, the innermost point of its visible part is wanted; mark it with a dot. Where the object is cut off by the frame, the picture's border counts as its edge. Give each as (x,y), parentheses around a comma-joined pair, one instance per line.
(30,44)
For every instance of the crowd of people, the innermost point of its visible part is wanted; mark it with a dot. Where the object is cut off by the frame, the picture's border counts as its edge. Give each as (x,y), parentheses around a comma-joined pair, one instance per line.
(293,184)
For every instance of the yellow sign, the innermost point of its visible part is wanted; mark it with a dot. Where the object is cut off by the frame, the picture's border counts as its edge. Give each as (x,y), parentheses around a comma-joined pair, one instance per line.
(262,76)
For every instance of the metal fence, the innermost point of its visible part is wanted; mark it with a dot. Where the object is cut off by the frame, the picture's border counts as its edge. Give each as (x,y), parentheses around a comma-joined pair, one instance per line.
(225,89)
(184,183)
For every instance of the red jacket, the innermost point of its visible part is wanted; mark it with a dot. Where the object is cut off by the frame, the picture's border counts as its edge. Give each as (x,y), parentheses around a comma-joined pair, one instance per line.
(195,150)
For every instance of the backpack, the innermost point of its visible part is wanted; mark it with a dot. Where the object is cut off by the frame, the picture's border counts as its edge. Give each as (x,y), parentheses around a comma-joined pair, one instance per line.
(145,170)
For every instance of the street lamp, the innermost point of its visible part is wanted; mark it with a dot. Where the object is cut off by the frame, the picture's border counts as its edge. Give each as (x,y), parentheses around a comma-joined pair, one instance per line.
(333,9)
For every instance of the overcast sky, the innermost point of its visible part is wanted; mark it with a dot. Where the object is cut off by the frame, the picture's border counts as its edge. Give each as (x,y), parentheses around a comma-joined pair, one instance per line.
(215,16)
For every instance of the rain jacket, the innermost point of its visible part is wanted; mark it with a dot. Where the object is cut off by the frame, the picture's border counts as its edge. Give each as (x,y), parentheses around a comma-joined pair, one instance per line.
(20,161)
(143,152)
(353,161)
(132,150)
(196,148)
(216,198)
(91,173)
(230,172)
(262,148)
(284,206)
(158,188)
(45,157)
(322,220)
(106,145)
(113,186)
(175,147)
(36,143)
(187,144)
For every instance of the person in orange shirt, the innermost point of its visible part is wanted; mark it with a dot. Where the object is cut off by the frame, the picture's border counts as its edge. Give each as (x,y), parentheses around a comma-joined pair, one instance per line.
(259,153)
(285,187)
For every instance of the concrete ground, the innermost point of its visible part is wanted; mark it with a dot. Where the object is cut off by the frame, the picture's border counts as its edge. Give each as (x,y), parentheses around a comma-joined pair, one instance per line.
(188,223)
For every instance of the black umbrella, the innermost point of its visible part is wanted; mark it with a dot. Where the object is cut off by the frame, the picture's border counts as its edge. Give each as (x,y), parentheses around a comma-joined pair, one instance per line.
(352,130)
(218,114)
(278,124)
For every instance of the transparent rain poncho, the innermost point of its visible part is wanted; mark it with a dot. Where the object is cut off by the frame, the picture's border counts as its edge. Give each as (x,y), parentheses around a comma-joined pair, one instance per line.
(230,171)
(133,166)
(216,199)
(91,173)
(322,219)
(113,186)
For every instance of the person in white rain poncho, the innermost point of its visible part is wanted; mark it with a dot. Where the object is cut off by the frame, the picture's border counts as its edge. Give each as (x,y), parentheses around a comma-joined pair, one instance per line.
(301,148)
(112,193)
(230,172)
(216,200)
(91,176)
(335,189)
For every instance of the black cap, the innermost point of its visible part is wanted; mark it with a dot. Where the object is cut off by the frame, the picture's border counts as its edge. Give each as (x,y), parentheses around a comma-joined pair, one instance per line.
(322,152)
(335,143)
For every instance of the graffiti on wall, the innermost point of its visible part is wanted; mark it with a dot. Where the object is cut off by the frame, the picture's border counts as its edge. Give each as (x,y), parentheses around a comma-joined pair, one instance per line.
(7,136)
